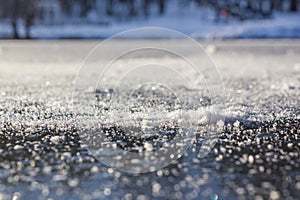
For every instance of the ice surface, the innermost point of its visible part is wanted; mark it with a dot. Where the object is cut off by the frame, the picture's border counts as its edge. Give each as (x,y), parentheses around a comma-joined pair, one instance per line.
(42,154)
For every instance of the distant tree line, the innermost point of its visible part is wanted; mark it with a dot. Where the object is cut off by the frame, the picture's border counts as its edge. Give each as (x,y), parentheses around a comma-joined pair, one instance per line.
(253,4)
(26,13)
(14,10)
(249,9)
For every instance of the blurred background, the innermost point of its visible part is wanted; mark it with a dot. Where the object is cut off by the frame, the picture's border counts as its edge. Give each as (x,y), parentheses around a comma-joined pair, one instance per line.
(84,19)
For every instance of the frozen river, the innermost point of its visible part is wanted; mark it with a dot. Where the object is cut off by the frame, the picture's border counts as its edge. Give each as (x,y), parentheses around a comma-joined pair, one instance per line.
(43,156)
